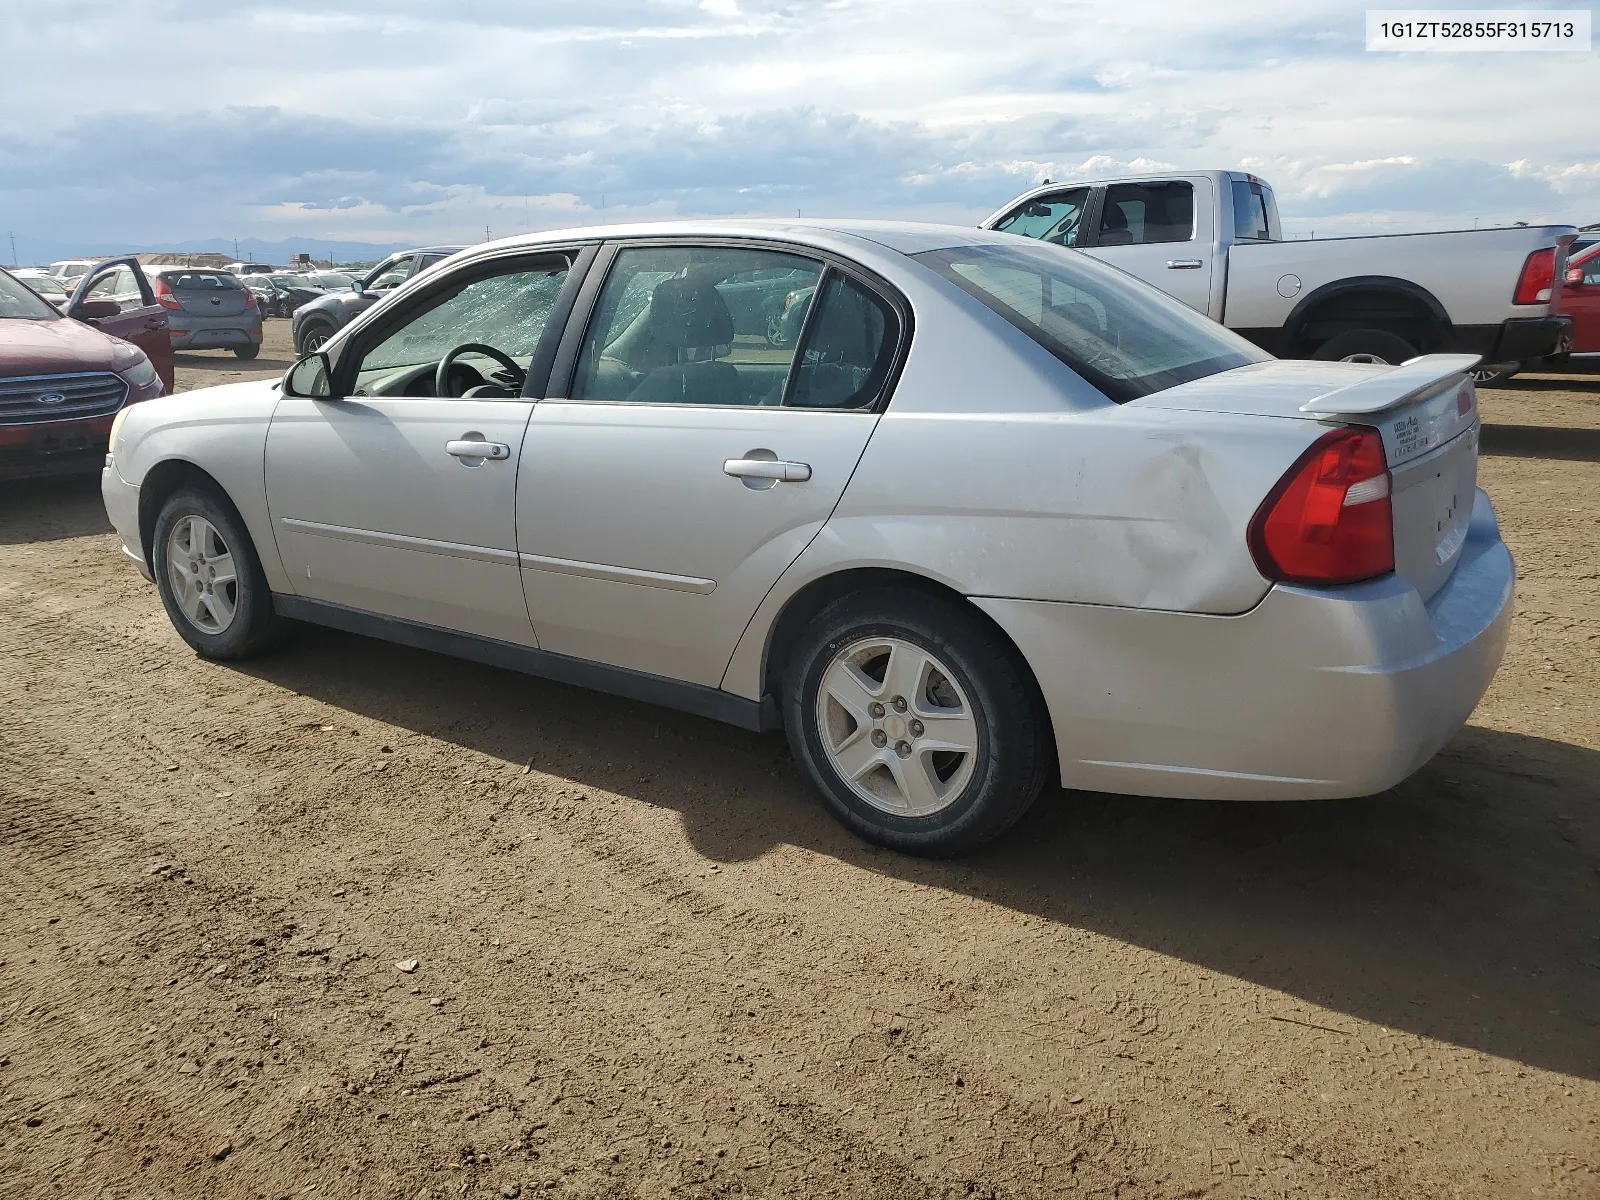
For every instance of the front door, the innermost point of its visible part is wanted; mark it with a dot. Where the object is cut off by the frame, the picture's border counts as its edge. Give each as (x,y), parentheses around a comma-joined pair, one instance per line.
(399,498)
(141,320)
(1149,230)
(1581,299)
(695,455)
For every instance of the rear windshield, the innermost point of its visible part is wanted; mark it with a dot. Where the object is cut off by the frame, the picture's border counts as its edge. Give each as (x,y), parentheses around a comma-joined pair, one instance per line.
(19,302)
(195,281)
(1122,335)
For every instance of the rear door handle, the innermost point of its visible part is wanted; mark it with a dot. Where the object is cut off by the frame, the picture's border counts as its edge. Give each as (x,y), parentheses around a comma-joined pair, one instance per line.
(475,449)
(1184,264)
(775,469)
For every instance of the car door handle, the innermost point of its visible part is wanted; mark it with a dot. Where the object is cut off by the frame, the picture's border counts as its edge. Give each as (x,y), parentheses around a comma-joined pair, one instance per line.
(1185,264)
(775,469)
(476,449)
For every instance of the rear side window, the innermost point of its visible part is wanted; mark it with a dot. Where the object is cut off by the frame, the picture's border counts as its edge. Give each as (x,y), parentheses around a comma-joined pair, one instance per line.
(1053,218)
(848,351)
(1250,212)
(1139,214)
(203,281)
(1125,337)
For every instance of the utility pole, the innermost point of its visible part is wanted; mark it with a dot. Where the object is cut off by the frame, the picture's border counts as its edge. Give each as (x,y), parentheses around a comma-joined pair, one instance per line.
(235,249)
(486,233)
(13,238)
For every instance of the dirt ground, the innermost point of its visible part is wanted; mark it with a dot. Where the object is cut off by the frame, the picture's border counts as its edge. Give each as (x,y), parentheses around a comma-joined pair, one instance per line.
(648,964)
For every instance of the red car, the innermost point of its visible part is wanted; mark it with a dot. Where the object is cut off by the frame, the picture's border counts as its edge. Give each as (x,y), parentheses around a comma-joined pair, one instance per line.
(1580,300)
(63,378)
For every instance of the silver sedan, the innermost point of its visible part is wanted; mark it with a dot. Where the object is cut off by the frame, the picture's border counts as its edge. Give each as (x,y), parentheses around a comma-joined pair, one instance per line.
(996,514)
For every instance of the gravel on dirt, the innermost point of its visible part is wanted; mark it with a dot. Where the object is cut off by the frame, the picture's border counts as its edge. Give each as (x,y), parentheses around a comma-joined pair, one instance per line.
(665,971)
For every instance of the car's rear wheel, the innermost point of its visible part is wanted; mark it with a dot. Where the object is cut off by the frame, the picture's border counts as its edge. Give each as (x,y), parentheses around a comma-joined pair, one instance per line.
(917,721)
(210,578)
(1489,374)
(1366,346)
(247,352)
(315,336)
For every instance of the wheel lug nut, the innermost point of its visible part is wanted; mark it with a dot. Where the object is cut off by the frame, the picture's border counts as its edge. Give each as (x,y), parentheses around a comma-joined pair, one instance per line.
(903,749)
(880,738)
(916,728)
(899,704)
(875,709)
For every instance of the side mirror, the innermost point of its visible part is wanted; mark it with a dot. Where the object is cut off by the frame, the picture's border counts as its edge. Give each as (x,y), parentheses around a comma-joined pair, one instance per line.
(356,287)
(308,378)
(93,310)
(1574,276)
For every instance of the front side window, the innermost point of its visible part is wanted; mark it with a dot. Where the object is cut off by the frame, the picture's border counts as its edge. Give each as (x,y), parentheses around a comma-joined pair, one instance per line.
(1053,218)
(490,326)
(18,302)
(1591,269)
(695,325)
(1140,214)
(389,275)
(1126,338)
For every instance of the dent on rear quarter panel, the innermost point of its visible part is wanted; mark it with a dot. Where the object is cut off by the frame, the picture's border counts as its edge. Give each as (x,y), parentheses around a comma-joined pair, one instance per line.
(221,430)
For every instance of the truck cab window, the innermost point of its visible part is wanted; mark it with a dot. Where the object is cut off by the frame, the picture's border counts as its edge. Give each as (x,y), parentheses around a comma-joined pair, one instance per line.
(1139,214)
(1054,218)
(1249,212)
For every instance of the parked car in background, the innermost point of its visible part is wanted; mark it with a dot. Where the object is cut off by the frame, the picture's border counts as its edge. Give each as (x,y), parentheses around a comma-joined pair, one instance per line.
(319,320)
(1003,514)
(1580,300)
(330,281)
(209,309)
(291,291)
(45,284)
(1213,240)
(71,268)
(253,268)
(117,298)
(61,384)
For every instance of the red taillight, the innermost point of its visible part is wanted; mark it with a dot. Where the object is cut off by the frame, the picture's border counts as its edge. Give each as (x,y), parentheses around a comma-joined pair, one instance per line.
(1329,519)
(164,296)
(249,298)
(1538,278)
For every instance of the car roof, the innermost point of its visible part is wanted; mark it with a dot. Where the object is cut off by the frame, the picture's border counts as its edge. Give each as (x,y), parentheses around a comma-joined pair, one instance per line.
(903,237)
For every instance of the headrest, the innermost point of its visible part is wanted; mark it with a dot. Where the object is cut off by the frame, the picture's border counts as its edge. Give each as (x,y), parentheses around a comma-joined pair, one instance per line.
(689,313)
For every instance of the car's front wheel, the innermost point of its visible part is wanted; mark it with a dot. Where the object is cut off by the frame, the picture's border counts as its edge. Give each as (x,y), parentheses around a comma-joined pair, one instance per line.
(314,336)
(917,721)
(210,578)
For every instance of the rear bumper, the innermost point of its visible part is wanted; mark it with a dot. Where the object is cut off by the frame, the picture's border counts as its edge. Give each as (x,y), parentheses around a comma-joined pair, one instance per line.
(215,339)
(1311,694)
(1517,339)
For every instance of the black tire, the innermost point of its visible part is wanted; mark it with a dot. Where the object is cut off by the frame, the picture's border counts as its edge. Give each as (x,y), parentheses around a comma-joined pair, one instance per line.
(247,352)
(1015,751)
(314,336)
(254,626)
(1366,345)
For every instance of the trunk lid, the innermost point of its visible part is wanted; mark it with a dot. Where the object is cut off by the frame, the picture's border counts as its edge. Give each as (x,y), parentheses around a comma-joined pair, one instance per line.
(1426,412)
(208,293)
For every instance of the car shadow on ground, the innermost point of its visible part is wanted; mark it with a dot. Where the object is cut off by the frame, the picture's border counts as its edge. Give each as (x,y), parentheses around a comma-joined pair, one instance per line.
(1585,380)
(1463,905)
(1541,441)
(47,510)
(226,362)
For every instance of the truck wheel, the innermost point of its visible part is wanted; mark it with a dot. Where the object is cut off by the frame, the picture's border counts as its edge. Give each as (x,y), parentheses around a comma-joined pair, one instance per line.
(1366,346)
(1489,374)
(919,724)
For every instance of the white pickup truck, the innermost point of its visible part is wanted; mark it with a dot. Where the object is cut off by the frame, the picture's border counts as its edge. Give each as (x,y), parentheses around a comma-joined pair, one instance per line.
(1212,239)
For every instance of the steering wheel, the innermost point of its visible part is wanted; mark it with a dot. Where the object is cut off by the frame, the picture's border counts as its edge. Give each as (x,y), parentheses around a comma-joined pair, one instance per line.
(441,377)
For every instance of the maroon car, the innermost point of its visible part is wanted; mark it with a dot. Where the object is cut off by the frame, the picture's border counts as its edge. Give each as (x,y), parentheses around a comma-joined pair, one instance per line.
(62,380)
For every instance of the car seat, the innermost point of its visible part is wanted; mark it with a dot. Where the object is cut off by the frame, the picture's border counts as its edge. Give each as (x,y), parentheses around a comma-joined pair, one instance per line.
(690,319)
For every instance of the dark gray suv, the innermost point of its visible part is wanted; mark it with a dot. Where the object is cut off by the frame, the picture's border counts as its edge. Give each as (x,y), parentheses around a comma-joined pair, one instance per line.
(317,321)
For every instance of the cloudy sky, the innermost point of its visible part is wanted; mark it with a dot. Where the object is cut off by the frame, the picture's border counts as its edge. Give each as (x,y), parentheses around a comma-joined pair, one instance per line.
(149,121)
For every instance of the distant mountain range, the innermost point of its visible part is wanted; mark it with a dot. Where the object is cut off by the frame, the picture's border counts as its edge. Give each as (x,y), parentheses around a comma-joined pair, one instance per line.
(37,253)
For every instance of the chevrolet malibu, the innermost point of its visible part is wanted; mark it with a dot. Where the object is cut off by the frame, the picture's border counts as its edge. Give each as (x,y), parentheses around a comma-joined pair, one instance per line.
(998,514)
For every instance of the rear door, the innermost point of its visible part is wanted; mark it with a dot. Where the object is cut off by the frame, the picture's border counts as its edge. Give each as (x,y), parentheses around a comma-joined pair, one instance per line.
(1161,232)
(691,461)
(141,320)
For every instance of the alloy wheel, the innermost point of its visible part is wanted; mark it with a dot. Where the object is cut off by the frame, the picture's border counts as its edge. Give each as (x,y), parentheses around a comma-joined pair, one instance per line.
(897,727)
(200,568)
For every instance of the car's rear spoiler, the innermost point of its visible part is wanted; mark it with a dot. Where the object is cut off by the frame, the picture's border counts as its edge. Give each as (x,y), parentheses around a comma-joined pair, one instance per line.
(1392,388)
